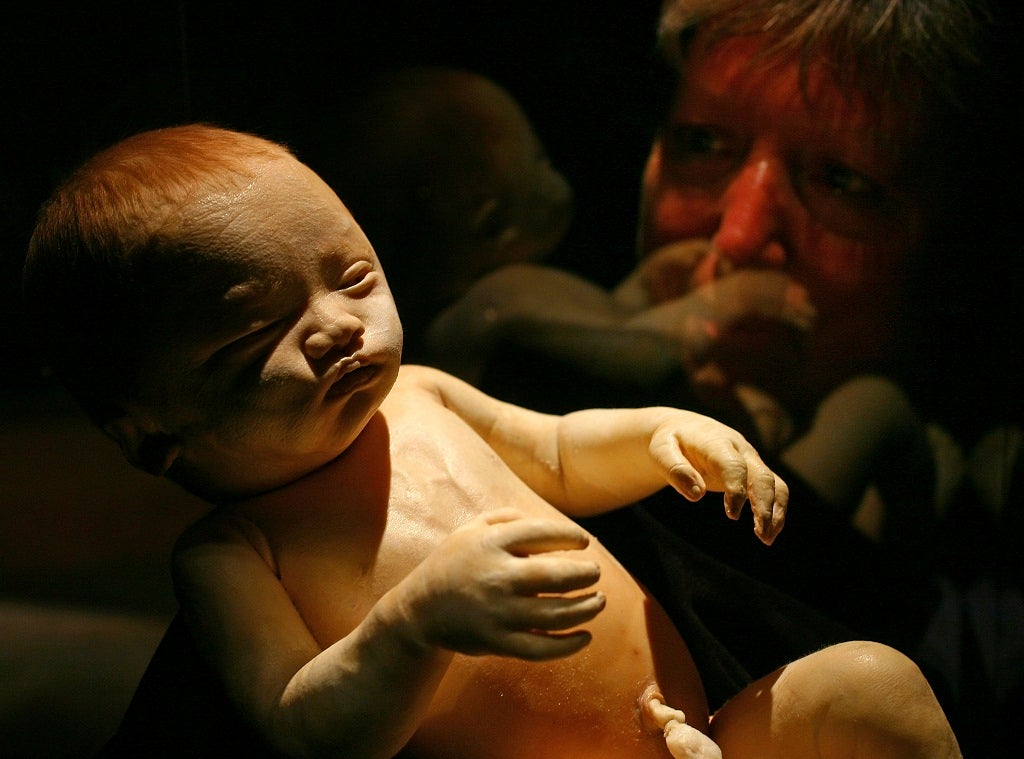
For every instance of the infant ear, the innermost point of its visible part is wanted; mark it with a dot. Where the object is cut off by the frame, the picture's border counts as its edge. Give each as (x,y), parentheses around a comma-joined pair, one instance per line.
(150,451)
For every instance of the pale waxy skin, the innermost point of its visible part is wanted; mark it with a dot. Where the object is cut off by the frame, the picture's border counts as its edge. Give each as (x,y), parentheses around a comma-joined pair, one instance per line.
(586,704)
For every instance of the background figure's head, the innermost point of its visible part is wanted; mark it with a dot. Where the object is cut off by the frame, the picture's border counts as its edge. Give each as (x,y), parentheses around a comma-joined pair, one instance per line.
(213,306)
(839,141)
(446,174)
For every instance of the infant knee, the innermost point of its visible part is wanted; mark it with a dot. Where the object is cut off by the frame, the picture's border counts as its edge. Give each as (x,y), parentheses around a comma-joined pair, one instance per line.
(876,669)
(883,701)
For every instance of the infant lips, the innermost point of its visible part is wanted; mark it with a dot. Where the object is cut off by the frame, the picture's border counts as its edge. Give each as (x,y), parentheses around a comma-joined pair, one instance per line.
(351,381)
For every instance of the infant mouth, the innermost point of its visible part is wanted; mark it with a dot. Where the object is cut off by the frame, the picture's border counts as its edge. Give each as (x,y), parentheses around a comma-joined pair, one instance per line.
(350,381)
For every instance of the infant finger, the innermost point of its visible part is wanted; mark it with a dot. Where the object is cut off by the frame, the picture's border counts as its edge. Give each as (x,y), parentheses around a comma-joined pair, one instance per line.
(662,713)
(779,507)
(687,481)
(524,537)
(553,613)
(761,493)
(732,472)
(729,463)
(541,646)
(687,742)
(536,574)
(681,473)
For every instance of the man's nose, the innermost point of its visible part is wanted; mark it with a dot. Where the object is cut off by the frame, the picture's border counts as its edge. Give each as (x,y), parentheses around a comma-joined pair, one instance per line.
(755,209)
(332,326)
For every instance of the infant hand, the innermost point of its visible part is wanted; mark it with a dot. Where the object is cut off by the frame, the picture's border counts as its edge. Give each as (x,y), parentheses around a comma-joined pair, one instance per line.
(699,453)
(489,588)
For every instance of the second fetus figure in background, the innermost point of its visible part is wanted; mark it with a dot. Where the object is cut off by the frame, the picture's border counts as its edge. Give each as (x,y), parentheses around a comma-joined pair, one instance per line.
(449,179)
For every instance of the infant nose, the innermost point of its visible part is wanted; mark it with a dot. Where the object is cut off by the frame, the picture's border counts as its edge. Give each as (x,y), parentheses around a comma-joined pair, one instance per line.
(334,329)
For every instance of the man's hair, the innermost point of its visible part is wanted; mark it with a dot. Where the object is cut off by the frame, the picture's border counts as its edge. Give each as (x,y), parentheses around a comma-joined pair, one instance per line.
(101,245)
(892,50)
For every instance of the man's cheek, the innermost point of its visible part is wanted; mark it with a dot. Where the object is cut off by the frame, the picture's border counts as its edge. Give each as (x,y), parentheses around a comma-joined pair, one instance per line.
(673,215)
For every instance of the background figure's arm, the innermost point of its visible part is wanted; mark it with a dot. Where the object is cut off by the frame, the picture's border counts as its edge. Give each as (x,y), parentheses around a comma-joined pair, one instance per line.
(567,318)
(550,311)
(592,461)
(867,442)
(693,322)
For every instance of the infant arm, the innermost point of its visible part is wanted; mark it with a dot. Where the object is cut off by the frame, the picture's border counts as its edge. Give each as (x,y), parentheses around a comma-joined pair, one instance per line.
(592,461)
(361,697)
(484,590)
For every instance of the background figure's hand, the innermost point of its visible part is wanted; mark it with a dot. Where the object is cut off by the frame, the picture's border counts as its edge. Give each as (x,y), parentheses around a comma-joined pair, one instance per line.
(665,274)
(699,453)
(684,741)
(531,304)
(703,318)
(489,588)
(669,272)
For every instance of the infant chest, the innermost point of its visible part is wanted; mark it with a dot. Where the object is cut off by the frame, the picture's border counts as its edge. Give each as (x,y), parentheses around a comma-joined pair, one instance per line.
(348,533)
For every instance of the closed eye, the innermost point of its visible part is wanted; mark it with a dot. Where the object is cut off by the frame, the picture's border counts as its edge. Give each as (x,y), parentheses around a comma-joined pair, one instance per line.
(358,279)
(245,346)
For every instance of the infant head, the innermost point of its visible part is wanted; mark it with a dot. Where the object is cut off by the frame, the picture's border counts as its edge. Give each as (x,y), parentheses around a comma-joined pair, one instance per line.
(214,307)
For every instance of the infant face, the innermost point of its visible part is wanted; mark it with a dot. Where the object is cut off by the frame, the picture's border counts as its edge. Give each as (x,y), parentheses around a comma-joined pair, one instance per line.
(284,339)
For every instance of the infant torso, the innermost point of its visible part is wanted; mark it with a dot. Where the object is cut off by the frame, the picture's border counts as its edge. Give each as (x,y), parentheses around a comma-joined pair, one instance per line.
(343,536)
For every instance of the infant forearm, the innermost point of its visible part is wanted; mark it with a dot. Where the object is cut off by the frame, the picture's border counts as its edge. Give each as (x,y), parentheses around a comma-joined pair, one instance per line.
(364,696)
(605,457)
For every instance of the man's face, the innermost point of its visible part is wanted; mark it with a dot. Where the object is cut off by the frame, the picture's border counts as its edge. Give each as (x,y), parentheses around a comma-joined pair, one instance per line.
(280,345)
(805,179)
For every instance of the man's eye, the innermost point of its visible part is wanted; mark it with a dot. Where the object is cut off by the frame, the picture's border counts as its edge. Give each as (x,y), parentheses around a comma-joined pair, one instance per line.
(847,201)
(701,156)
(843,181)
(694,141)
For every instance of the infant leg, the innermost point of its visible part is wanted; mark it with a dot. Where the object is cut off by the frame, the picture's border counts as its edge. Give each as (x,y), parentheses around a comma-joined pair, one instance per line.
(684,741)
(853,700)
